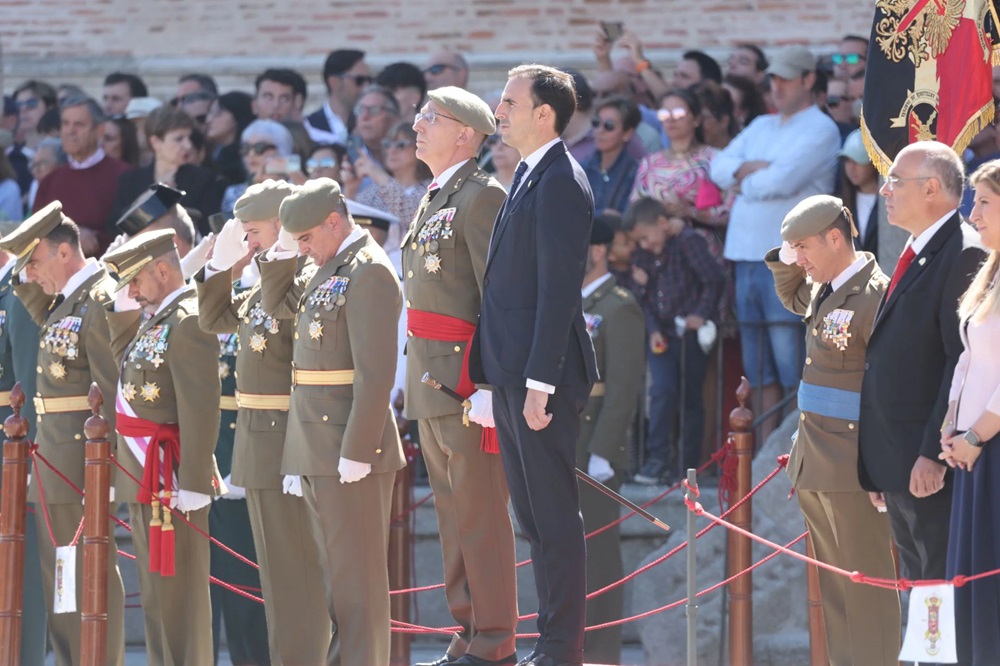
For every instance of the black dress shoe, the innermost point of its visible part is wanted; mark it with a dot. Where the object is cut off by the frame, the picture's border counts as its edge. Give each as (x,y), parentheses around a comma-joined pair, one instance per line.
(471,660)
(446,659)
(541,659)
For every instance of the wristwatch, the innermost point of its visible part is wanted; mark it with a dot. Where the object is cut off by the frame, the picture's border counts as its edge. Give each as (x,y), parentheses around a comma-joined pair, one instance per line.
(972,439)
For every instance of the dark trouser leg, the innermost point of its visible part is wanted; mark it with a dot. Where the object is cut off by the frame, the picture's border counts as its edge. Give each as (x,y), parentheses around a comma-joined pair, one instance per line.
(693,378)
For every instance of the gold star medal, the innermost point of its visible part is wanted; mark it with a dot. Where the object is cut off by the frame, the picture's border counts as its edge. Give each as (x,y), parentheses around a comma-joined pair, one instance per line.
(57,370)
(223,370)
(432,263)
(315,330)
(128,391)
(258,342)
(150,391)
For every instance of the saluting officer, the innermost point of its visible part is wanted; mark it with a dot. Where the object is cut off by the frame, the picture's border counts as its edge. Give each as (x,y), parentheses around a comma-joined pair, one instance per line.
(342,438)
(168,421)
(819,275)
(444,258)
(291,575)
(64,294)
(614,321)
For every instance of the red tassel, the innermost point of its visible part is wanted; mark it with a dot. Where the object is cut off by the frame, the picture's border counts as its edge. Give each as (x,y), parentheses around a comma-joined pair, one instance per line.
(489,443)
(155,542)
(167,563)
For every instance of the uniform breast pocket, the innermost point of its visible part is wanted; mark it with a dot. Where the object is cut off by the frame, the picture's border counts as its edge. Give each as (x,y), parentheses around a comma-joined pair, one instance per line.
(319,410)
(268,421)
(317,329)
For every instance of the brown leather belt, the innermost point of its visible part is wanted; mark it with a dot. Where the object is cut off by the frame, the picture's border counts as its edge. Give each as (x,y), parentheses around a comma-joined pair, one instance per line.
(322,377)
(73,403)
(262,401)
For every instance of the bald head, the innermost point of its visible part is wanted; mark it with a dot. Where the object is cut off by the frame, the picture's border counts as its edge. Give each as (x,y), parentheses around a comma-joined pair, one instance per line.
(925,183)
(939,160)
(446,68)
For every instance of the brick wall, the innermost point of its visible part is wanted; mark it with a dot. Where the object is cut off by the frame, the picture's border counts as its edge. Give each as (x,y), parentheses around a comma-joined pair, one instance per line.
(81,40)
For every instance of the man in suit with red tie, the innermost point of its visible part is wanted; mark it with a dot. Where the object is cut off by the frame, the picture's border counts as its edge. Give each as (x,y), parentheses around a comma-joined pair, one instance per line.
(912,353)
(532,346)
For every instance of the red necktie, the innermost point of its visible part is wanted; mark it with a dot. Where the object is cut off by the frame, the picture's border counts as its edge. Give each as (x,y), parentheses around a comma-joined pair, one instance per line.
(904,262)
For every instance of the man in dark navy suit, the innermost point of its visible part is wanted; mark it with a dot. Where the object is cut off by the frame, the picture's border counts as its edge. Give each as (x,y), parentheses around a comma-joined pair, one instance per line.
(532,346)
(914,346)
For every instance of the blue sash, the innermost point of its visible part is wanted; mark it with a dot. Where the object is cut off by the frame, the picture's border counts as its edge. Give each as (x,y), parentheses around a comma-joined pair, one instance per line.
(832,402)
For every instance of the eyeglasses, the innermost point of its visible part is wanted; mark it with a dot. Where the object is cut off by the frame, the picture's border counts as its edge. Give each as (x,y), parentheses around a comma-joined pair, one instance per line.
(892,181)
(849,58)
(369,109)
(257,148)
(191,98)
(398,144)
(435,70)
(360,80)
(30,103)
(321,163)
(678,113)
(608,125)
(431,117)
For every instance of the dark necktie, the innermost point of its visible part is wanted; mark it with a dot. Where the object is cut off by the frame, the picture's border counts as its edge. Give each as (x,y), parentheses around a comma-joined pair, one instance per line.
(56,302)
(518,175)
(904,262)
(824,293)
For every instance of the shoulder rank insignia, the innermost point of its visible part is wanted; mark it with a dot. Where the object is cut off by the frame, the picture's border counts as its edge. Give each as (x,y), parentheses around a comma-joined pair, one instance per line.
(150,392)
(593,323)
(836,327)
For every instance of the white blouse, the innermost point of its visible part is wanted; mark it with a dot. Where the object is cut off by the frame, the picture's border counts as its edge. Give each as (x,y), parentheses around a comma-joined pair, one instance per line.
(976,383)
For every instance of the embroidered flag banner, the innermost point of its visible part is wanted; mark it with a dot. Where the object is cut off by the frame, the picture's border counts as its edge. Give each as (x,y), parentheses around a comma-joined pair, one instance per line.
(930,626)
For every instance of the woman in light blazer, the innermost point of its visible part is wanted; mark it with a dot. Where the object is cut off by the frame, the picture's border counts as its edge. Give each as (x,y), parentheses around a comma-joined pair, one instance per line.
(970,441)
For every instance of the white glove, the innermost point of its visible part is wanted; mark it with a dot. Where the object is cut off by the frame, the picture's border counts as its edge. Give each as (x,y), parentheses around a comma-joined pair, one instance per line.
(235,492)
(481,411)
(194,260)
(230,246)
(186,500)
(124,302)
(286,241)
(787,254)
(119,240)
(292,485)
(351,471)
(279,251)
(600,468)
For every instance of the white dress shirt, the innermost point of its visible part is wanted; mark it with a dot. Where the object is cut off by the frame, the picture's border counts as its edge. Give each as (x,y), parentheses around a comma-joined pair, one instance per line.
(921,241)
(848,273)
(80,277)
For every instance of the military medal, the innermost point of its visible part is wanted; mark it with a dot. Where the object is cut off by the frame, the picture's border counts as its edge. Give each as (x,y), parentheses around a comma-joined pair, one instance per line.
(437,227)
(836,327)
(150,391)
(3,320)
(432,263)
(223,370)
(593,323)
(57,370)
(128,391)
(258,343)
(315,330)
(157,361)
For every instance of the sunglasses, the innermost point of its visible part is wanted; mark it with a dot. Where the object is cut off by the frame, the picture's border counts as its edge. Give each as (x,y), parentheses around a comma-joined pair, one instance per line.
(369,110)
(398,144)
(435,70)
(258,148)
(849,58)
(191,98)
(321,163)
(360,80)
(31,103)
(608,125)
(678,113)
(431,117)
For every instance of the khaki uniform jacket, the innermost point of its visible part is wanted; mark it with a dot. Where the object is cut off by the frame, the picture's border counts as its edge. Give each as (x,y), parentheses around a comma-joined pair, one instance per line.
(354,421)
(263,366)
(448,281)
(74,351)
(614,320)
(824,456)
(184,389)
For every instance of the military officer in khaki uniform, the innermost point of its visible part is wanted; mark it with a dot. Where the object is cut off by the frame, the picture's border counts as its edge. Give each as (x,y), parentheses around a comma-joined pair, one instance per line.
(64,294)
(614,321)
(167,408)
(291,575)
(819,275)
(444,258)
(342,437)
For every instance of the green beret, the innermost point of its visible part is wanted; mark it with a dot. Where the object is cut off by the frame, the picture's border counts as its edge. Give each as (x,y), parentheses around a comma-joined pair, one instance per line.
(126,261)
(812,216)
(309,204)
(261,201)
(23,240)
(467,108)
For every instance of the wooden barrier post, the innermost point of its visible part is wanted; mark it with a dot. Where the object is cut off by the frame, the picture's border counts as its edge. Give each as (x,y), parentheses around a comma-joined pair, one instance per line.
(96,535)
(817,627)
(738,546)
(12,525)
(399,562)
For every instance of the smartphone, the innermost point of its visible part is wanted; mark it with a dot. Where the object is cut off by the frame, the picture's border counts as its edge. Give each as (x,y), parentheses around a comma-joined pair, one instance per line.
(216,221)
(283,165)
(613,29)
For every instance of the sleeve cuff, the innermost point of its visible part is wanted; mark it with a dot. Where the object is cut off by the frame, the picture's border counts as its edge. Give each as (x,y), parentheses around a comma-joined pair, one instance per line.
(540,386)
